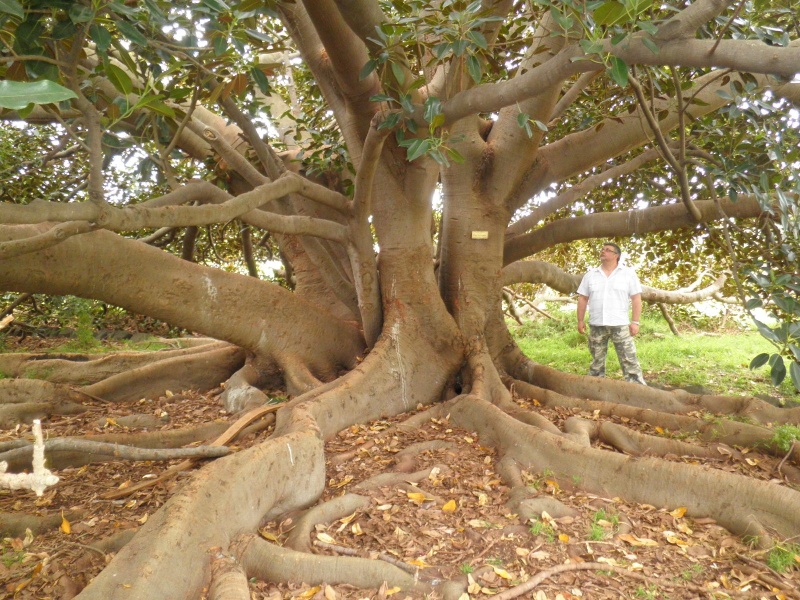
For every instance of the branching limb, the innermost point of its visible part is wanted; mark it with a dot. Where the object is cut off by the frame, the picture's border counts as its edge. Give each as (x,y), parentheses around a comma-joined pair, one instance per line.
(51,237)
(534,271)
(601,225)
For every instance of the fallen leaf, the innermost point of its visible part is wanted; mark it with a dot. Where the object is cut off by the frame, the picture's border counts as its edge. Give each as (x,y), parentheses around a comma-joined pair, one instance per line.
(66,528)
(679,512)
(324,537)
(563,538)
(416,497)
(502,573)
(268,536)
(450,506)
(330,593)
(356,529)
(309,593)
(636,541)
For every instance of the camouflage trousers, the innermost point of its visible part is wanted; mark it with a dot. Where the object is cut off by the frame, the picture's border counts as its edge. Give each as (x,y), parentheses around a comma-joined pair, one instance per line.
(599,336)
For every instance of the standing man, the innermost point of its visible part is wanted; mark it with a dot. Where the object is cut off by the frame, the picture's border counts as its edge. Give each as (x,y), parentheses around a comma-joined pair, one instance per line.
(608,290)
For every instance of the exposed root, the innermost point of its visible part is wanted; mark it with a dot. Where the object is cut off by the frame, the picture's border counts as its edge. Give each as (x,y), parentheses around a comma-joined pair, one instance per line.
(20,391)
(228,580)
(27,412)
(63,452)
(270,562)
(15,524)
(404,481)
(727,431)
(300,537)
(677,402)
(85,369)
(200,371)
(371,555)
(742,505)
(639,444)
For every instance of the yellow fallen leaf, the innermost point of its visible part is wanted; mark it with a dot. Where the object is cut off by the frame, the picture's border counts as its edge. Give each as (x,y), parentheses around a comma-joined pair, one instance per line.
(563,538)
(343,482)
(473,587)
(502,573)
(674,539)
(356,529)
(483,499)
(450,506)
(309,593)
(751,461)
(553,484)
(268,536)
(418,562)
(679,512)
(330,593)
(660,430)
(65,526)
(393,590)
(416,497)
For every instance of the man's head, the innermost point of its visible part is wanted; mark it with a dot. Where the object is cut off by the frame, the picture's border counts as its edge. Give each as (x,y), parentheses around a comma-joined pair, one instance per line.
(610,252)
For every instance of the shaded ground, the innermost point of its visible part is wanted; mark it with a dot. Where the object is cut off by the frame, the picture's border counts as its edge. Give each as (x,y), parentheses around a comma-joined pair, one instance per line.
(452,523)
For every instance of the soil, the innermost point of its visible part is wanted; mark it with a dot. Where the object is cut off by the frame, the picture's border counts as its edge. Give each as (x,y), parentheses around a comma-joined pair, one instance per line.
(453,524)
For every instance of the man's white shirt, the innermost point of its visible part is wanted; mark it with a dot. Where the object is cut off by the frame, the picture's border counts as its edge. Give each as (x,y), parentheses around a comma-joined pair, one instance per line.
(609,297)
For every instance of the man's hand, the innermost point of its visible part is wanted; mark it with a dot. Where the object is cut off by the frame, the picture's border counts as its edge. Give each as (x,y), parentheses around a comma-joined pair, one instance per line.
(633,328)
(581,327)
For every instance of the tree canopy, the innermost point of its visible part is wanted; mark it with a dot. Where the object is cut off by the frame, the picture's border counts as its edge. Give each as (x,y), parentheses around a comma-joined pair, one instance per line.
(404,161)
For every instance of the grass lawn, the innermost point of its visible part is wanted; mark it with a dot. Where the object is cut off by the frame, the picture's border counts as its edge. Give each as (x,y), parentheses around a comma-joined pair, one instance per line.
(714,360)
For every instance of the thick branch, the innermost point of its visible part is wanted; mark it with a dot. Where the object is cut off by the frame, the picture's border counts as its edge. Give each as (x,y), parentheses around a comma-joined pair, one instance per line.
(602,225)
(535,271)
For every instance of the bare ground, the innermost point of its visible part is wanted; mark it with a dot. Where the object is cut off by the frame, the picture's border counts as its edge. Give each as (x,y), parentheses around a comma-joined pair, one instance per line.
(451,523)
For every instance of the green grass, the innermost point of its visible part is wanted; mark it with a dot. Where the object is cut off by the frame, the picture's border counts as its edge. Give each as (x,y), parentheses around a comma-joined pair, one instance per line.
(717,361)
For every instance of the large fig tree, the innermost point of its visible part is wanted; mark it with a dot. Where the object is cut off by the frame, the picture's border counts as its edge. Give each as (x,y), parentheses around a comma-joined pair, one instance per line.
(405,160)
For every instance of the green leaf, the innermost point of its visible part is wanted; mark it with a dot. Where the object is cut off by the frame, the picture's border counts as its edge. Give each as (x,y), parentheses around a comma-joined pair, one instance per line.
(119,78)
(619,71)
(261,80)
(651,45)
(474,68)
(381,98)
(766,332)
(759,361)
(794,371)
(397,71)
(155,104)
(101,37)
(432,107)
(522,118)
(13,8)
(130,32)
(778,372)
(220,45)
(609,13)
(455,155)
(417,148)
(16,95)
(368,68)
(478,39)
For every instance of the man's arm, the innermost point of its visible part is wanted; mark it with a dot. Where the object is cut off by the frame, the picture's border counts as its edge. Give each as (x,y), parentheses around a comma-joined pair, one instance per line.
(583,302)
(636,312)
